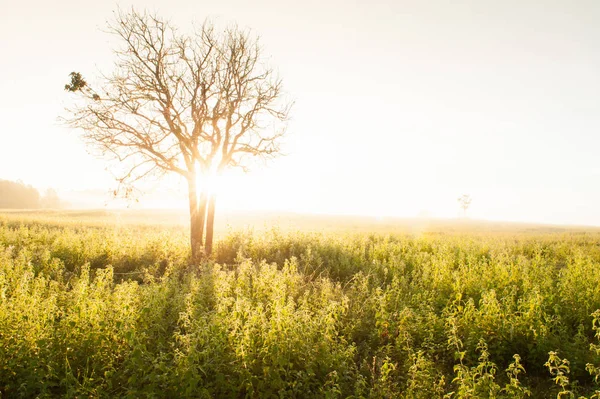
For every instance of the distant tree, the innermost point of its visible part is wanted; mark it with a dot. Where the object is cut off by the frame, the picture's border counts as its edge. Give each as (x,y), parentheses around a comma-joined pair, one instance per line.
(464,202)
(191,105)
(51,200)
(18,195)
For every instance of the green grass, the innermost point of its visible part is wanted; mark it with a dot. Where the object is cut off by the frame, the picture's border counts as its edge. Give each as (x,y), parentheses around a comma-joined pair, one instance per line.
(91,306)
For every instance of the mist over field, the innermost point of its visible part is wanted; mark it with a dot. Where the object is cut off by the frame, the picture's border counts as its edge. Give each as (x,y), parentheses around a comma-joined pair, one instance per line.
(400,107)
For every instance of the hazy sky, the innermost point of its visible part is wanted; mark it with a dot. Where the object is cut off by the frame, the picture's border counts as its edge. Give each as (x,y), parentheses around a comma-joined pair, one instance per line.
(401,106)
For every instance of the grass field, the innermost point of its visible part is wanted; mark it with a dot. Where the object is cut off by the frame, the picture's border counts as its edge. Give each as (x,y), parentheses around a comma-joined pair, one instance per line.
(105,304)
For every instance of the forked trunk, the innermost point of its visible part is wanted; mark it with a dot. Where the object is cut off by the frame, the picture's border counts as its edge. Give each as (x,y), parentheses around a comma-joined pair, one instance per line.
(210,223)
(202,203)
(197,213)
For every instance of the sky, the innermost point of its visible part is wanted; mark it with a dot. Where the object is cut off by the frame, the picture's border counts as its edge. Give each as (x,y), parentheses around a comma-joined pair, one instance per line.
(400,106)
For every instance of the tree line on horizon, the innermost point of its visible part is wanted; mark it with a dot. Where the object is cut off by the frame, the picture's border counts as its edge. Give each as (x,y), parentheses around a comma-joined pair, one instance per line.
(18,195)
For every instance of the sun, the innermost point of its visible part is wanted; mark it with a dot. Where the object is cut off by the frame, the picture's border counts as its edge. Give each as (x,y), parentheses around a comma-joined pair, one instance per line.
(211,183)
(228,188)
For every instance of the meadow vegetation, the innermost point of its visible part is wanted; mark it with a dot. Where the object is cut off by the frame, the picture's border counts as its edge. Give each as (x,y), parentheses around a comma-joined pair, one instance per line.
(90,309)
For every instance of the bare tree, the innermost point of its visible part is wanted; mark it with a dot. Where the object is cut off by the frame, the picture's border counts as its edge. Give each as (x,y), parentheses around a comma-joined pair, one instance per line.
(190,104)
(464,202)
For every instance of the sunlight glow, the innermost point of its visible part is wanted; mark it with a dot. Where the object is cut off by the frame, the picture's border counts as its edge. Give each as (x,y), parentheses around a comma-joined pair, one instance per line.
(439,106)
(212,183)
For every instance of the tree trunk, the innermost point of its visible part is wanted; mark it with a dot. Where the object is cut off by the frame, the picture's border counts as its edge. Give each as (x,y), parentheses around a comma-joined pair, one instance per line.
(197,212)
(210,224)
(202,203)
